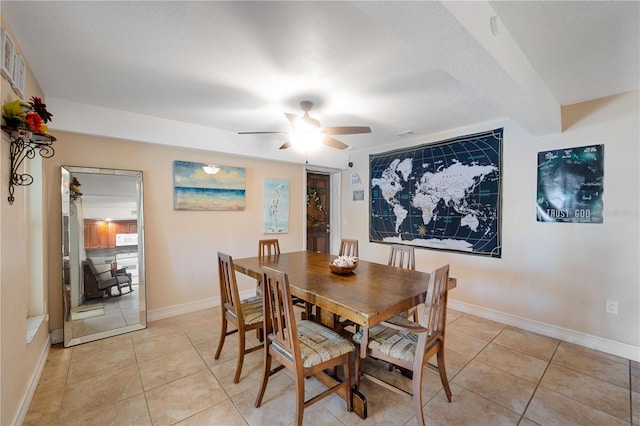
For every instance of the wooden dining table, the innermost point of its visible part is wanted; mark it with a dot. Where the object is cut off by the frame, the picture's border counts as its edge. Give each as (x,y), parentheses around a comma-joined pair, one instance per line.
(372,293)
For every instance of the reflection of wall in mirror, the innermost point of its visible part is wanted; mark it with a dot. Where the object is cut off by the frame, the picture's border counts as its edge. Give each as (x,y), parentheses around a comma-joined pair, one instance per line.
(76,252)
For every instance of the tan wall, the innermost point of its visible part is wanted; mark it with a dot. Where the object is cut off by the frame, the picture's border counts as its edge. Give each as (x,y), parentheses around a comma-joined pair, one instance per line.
(181,246)
(552,276)
(18,360)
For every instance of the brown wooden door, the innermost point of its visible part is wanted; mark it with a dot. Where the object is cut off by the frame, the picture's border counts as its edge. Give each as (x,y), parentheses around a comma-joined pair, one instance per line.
(318,201)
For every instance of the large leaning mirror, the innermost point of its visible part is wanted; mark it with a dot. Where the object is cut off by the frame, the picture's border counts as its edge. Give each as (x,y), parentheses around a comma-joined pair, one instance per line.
(102,253)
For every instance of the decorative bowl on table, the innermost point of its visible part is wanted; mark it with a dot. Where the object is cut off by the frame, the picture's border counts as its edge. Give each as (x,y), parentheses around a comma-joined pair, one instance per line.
(343,265)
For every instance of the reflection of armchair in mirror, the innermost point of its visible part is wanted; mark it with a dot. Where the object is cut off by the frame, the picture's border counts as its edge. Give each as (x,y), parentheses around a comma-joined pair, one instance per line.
(124,278)
(106,279)
(103,254)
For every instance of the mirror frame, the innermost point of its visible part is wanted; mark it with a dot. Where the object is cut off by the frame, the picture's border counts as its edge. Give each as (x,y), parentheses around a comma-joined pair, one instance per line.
(66,172)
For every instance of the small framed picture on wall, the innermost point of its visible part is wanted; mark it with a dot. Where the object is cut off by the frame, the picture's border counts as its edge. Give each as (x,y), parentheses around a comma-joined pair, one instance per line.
(8,49)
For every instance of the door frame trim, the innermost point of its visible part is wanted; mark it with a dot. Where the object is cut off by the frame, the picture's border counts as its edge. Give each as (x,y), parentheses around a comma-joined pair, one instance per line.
(335,177)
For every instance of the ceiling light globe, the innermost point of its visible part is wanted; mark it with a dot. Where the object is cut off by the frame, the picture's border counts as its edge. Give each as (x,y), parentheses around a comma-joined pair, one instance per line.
(211,169)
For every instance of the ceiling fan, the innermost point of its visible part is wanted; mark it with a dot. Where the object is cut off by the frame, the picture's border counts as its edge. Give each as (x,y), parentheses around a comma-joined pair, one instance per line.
(307,130)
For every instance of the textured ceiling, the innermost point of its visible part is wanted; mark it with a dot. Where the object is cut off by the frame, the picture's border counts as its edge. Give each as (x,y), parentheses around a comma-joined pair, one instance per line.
(582,50)
(394,66)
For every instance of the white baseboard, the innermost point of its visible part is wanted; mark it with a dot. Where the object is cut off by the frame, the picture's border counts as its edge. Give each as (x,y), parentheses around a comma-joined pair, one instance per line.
(33,384)
(594,342)
(186,308)
(612,347)
(57,336)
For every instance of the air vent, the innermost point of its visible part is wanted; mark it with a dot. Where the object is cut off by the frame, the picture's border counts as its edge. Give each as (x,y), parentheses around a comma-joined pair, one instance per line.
(405,133)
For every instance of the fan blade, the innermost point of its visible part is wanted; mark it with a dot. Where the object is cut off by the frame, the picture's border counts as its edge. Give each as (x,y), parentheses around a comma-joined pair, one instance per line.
(346,130)
(285,145)
(261,133)
(335,143)
(311,122)
(291,117)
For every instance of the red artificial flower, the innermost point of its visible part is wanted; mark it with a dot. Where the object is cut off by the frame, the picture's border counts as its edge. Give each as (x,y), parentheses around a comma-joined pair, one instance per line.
(40,108)
(34,121)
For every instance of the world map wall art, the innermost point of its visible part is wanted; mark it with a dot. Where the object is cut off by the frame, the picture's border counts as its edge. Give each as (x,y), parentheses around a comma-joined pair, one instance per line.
(444,195)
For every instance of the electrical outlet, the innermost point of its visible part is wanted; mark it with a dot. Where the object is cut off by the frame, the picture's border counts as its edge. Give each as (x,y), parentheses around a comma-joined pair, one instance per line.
(611,307)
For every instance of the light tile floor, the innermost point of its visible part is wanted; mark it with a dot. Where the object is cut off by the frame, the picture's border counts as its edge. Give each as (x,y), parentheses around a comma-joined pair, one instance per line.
(118,312)
(166,374)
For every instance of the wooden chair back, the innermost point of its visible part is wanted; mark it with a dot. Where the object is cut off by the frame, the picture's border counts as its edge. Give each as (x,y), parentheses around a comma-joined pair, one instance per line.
(243,315)
(268,247)
(230,297)
(402,257)
(279,318)
(348,247)
(434,318)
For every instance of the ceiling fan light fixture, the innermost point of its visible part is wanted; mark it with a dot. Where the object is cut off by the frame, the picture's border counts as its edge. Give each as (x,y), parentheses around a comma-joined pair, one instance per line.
(307,139)
(306,124)
(211,169)
(306,132)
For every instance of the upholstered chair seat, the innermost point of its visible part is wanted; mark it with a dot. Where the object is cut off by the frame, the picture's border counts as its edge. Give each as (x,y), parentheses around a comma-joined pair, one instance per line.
(319,344)
(392,342)
(252,310)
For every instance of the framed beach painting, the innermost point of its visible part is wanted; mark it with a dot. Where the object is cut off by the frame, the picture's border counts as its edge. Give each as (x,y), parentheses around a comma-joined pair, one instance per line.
(199,186)
(276,206)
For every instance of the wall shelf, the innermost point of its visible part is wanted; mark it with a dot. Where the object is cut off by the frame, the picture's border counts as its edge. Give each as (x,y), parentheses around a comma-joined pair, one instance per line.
(25,144)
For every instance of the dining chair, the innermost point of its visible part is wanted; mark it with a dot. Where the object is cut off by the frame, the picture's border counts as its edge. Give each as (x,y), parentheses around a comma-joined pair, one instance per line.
(245,315)
(305,347)
(267,248)
(409,345)
(402,256)
(271,247)
(348,247)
